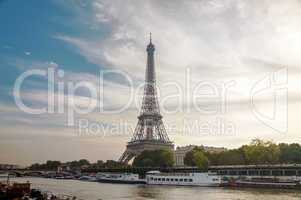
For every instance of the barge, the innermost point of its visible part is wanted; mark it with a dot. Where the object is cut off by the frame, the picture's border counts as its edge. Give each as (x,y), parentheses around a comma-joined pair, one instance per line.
(263,182)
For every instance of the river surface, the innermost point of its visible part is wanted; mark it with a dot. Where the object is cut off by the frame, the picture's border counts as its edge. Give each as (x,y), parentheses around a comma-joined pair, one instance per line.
(96,191)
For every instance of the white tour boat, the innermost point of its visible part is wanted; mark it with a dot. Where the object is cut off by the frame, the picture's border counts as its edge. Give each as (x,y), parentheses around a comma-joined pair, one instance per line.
(119,178)
(185,179)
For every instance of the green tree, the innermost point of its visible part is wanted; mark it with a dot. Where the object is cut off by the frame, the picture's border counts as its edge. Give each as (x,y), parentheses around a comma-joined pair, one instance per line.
(99,164)
(201,160)
(272,153)
(196,157)
(231,157)
(155,158)
(82,162)
(114,164)
(52,165)
(147,162)
(261,152)
(189,159)
(73,164)
(290,153)
(35,166)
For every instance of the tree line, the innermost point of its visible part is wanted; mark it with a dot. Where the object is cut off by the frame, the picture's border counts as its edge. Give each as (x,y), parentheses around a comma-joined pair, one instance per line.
(156,158)
(77,164)
(255,153)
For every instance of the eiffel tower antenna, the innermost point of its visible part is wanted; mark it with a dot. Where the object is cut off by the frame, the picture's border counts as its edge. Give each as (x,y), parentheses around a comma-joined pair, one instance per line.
(150,133)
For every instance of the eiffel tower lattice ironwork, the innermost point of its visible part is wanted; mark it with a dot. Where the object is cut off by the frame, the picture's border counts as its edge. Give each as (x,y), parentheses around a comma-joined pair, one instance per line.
(150,133)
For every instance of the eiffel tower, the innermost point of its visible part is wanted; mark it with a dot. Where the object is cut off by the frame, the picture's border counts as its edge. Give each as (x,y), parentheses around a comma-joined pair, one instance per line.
(149,133)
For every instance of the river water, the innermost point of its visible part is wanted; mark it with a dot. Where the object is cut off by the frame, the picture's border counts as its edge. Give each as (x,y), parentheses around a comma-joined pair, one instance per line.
(96,191)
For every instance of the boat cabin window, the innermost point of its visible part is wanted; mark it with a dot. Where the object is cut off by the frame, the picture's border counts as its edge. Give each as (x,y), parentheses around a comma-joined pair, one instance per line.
(190,180)
(176,179)
(159,179)
(181,180)
(163,179)
(167,179)
(185,179)
(155,179)
(171,179)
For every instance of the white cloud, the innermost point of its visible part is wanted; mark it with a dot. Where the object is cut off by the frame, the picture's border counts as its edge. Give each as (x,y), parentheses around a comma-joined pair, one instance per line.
(219,41)
(212,33)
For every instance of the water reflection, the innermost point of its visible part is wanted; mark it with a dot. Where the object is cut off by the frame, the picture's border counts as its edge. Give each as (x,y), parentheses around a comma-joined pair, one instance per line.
(149,192)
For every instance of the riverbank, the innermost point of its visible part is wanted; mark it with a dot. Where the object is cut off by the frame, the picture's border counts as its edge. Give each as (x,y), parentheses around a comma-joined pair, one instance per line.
(17,190)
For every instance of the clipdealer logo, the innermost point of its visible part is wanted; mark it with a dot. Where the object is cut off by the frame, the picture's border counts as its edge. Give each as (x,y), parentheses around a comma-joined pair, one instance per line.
(274,85)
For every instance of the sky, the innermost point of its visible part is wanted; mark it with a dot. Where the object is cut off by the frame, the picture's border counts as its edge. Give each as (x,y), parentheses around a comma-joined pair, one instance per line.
(227,72)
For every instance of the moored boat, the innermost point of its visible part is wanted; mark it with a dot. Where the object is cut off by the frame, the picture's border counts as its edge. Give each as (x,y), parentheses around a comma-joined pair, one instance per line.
(87,178)
(183,179)
(119,178)
(263,183)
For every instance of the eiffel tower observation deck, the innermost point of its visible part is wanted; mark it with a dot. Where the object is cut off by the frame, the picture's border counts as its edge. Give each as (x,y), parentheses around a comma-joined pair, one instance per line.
(150,133)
